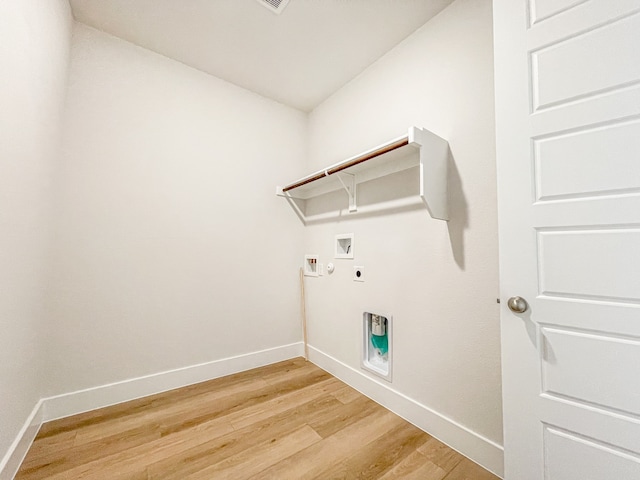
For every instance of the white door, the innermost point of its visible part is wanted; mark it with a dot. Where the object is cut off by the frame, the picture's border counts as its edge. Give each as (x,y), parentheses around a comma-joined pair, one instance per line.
(568,145)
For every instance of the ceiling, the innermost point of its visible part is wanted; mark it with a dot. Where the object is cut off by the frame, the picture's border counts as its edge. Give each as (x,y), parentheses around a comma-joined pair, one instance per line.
(299,57)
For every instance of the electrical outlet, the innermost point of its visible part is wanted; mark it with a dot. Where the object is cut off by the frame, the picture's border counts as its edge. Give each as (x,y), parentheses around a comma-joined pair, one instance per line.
(358,274)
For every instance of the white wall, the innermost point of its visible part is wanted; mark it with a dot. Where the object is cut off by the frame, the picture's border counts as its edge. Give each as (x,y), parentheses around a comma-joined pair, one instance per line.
(438,280)
(34,51)
(171,248)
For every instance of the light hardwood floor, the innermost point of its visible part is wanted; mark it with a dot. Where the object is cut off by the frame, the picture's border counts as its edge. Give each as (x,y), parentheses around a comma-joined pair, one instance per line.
(290,420)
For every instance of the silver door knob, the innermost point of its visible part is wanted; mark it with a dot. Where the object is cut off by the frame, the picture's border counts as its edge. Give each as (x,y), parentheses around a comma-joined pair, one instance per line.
(517,304)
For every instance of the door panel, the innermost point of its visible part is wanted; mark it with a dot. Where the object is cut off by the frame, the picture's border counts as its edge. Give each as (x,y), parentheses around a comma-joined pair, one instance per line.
(543,9)
(598,461)
(595,53)
(587,162)
(590,263)
(590,422)
(568,154)
(570,370)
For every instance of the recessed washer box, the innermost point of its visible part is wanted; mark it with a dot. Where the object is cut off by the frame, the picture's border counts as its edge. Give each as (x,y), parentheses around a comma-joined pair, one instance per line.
(377,344)
(344,245)
(311,266)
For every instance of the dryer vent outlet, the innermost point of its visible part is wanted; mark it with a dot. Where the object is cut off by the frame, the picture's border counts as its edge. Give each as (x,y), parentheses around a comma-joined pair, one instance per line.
(276,6)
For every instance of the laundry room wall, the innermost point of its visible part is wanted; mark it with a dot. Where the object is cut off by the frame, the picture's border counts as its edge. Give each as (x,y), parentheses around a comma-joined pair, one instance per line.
(171,249)
(438,280)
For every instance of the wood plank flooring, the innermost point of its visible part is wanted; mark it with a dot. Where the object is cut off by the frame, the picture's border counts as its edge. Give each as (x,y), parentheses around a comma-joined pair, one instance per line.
(290,420)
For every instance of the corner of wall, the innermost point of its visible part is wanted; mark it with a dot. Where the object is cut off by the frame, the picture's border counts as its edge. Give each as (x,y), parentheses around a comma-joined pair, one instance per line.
(16,453)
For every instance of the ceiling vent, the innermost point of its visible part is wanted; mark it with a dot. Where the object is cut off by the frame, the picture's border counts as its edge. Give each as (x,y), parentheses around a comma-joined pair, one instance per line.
(276,6)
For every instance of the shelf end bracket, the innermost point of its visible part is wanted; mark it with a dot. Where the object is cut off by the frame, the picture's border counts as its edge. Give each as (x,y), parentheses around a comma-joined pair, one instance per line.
(348,182)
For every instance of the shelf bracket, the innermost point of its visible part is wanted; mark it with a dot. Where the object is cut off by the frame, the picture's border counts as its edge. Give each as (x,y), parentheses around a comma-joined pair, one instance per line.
(426,150)
(348,182)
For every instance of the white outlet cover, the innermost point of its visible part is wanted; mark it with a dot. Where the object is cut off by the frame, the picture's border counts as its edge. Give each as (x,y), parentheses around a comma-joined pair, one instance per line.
(358,274)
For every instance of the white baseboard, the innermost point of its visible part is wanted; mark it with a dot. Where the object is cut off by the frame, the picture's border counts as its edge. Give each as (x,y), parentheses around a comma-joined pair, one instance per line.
(11,462)
(481,450)
(472,445)
(68,404)
(81,401)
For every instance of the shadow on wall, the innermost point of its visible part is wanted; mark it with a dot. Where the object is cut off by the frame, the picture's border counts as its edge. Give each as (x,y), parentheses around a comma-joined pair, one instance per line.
(458,212)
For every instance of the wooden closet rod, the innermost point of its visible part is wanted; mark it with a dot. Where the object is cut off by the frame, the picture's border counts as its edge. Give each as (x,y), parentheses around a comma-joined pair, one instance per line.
(356,161)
